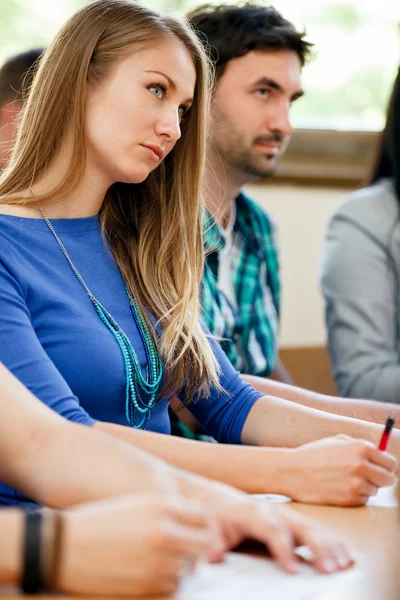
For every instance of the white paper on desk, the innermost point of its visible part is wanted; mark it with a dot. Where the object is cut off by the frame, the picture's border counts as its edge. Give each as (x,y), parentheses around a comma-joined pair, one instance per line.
(243,576)
(385,497)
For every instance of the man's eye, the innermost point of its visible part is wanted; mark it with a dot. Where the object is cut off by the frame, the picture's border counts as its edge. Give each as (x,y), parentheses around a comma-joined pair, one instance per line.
(263,92)
(157,90)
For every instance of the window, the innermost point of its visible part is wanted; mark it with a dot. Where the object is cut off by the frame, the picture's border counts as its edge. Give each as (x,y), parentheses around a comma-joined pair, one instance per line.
(347,84)
(26,24)
(357,55)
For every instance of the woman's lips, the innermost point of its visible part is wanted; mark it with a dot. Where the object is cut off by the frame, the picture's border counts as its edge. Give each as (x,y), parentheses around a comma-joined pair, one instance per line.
(156,152)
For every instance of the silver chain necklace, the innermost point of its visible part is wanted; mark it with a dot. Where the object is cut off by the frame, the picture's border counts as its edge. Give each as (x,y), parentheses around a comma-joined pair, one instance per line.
(73,267)
(137,387)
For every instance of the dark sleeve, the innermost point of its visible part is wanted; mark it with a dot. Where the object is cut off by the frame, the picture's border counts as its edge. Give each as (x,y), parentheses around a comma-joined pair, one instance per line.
(223,414)
(22,353)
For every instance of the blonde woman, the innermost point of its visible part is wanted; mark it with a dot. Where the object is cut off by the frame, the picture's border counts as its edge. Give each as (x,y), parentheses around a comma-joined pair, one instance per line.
(170,519)
(101,257)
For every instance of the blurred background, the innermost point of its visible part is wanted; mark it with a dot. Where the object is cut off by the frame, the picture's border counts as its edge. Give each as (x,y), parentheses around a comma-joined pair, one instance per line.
(337,125)
(347,84)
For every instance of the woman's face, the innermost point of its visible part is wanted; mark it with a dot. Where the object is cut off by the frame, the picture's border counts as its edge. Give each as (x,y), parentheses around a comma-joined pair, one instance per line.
(133,118)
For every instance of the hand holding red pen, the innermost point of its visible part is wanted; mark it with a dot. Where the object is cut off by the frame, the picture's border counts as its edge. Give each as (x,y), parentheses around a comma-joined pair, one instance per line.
(340,470)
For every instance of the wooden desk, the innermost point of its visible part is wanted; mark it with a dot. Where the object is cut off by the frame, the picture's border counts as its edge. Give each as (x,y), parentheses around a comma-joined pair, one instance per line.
(374,532)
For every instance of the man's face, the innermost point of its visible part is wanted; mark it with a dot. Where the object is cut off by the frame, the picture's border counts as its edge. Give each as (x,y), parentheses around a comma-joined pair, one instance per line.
(250,111)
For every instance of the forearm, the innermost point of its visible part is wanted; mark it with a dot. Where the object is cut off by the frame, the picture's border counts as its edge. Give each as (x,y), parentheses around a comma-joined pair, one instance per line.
(11,528)
(366,410)
(87,465)
(249,469)
(59,463)
(277,422)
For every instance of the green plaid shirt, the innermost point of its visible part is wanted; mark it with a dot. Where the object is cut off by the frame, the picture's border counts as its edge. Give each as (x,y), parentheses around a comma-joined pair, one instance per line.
(249,331)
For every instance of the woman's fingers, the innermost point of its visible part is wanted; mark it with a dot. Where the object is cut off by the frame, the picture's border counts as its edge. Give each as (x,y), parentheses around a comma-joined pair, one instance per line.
(383,459)
(279,539)
(192,534)
(367,490)
(263,523)
(330,552)
(194,515)
(281,529)
(189,512)
(377,475)
(186,541)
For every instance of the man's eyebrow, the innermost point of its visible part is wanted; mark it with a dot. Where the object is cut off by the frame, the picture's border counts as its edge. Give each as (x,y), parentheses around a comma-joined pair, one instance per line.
(266,81)
(171,83)
(297,95)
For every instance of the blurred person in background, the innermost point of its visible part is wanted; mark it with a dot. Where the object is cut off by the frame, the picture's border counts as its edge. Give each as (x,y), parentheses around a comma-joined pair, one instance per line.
(360,277)
(15,77)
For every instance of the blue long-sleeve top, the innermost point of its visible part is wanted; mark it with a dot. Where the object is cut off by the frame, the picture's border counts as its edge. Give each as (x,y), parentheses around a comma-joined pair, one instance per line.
(52,339)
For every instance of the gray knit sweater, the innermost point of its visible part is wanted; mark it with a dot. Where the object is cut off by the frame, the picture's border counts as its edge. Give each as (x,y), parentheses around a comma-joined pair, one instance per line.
(360,280)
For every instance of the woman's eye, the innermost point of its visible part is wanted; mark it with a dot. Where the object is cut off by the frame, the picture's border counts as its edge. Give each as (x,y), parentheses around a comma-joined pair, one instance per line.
(182,111)
(157,90)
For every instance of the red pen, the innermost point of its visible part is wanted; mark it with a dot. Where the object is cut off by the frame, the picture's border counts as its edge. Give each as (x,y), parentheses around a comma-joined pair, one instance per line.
(386,434)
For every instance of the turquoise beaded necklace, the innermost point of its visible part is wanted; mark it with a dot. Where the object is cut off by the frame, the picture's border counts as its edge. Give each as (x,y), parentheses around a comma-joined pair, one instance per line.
(141,393)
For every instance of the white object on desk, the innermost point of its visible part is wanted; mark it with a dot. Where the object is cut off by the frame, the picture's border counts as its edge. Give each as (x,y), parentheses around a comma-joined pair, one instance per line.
(243,576)
(385,497)
(271,497)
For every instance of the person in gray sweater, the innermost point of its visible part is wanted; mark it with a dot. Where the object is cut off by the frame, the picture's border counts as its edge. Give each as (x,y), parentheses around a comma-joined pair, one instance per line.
(360,277)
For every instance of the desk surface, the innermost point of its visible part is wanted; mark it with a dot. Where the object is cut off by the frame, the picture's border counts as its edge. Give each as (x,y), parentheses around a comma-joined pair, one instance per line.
(374,532)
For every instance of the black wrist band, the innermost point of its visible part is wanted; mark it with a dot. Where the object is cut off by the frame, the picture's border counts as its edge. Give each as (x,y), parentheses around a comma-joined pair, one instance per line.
(31,582)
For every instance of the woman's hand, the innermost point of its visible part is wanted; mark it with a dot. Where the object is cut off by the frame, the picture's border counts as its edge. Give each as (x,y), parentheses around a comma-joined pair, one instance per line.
(280,528)
(136,545)
(339,470)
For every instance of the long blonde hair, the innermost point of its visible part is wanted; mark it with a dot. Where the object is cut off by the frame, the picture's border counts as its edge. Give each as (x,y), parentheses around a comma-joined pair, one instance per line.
(154,228)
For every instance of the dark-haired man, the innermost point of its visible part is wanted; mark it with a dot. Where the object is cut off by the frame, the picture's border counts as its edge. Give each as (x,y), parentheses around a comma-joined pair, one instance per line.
(14,80)
(258,57)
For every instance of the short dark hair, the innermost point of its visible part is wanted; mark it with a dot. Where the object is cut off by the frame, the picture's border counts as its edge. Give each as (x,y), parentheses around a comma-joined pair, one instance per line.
(15,75)
(231,31)
(387,163)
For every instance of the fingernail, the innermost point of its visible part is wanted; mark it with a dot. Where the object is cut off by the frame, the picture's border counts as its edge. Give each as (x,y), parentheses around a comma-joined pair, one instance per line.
(329,565)
(216,556)
(343,561)
(293,566)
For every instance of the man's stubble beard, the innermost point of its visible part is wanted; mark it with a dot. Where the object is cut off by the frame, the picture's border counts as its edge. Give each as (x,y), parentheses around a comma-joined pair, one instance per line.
(229,145)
